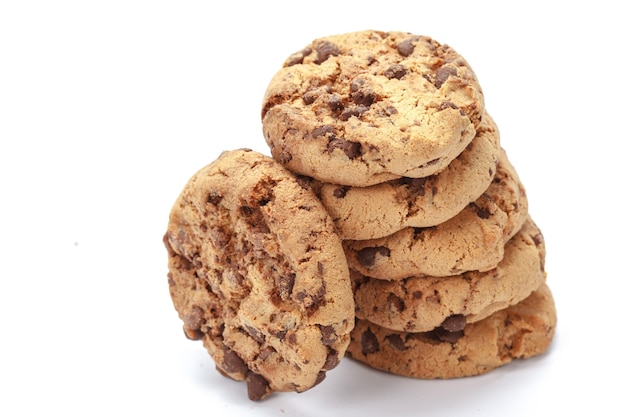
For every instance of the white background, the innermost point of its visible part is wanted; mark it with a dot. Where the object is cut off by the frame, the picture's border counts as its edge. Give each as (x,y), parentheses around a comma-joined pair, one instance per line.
(108,107)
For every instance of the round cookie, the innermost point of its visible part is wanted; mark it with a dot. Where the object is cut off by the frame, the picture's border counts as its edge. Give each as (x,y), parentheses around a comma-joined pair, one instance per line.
(257,272)
(517,332)
(382,209)
(420,304)
(366,107)
(473,240)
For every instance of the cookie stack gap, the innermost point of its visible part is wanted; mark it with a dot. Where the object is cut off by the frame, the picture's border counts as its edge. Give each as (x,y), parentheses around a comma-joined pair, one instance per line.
(390,130)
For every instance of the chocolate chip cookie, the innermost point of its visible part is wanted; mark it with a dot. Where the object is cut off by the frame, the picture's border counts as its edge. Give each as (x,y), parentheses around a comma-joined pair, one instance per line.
(366,107)
(383,209)
(473,240)
(257,272)
(420,304)
(520,331)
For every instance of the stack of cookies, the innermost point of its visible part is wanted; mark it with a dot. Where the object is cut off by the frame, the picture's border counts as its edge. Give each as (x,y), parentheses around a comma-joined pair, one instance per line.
(388,226)
(447,267)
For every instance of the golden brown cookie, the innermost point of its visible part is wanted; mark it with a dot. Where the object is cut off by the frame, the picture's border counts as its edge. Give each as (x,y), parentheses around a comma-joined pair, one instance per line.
(258,273)
(382,209)
(365,107)
(420,304)
(473,240)
(517,332)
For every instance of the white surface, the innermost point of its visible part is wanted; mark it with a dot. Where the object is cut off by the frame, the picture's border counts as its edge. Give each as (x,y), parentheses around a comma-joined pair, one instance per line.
(107,108)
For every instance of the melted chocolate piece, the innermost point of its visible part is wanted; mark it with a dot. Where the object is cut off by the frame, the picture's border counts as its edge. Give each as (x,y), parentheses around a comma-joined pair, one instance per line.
(258,387)
(454,323)
(396,71)
(367,256)
(369,343)
(443,74)
(326,49)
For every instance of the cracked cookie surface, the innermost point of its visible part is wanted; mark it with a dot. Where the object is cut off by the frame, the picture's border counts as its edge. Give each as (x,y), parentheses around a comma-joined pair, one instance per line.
(257,272)
(382,209)
(420,304)
(520,331)
(473,240)
(366,107)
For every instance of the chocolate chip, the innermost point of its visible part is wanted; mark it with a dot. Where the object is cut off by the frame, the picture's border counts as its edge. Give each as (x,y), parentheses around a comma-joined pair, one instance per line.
(320,377)
(356,111)
(335,103)
(416,185)
(324,50)
(449,105)
(443,335)
(214,198)
(537,239)
(298,57)
(369,342)
(417,233)
(266,353)
(396,71)
(417,295)
(482,212)
(255,333)
(367,256)
(332,360)
(361,93)
(351,149)
(193,320)
(443,74)
(311,95)
(365,97)
(233,364)
(454,323)
(396,342)
(322,131)
(340,192)
(308,97)
(258,387)
(311,302)
(329,336)
(406,47)
(395,303)
(320,268)
(390,110)
(304,181)
(254,217)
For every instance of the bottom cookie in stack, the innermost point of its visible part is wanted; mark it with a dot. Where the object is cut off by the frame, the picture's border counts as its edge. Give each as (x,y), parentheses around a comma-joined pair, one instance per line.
(519,331)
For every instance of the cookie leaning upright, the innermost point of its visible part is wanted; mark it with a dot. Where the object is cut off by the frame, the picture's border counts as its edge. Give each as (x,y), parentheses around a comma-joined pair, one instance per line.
(258,273)
(366,107)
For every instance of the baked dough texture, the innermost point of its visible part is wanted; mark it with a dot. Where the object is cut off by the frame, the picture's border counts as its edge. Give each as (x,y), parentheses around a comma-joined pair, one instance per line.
(472,240)
(520,331)
(380,210)
(365,107)
(257,273)
(420,304)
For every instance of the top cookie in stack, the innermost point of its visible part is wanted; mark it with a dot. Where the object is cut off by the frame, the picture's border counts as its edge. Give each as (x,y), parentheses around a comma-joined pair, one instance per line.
(362,108)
